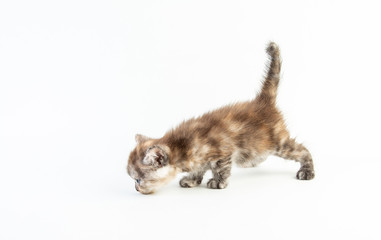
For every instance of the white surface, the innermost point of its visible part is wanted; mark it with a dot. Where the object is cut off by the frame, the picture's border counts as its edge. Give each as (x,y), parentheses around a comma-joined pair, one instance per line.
(78,79)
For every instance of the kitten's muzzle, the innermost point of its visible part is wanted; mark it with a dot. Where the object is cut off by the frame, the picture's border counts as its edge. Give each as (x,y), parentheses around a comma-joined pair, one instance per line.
(137,188)
(142,191)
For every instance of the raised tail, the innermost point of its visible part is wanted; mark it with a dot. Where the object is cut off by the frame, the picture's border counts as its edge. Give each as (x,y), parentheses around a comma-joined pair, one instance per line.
(271,81)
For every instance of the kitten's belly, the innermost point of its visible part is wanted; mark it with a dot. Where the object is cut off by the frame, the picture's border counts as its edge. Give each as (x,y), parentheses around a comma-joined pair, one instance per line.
(248,159)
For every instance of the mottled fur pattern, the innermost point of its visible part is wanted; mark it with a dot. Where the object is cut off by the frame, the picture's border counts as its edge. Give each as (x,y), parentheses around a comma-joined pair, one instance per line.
(244,133)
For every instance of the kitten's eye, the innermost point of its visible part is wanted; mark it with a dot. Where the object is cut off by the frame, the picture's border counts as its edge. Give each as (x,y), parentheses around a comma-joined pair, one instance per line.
(137,181)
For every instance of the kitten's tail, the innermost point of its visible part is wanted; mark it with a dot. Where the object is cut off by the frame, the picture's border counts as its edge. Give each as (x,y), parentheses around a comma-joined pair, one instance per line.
(271,81)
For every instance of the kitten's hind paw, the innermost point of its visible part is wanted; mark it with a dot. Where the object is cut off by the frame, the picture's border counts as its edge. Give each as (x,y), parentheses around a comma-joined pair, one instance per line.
(186,182)
(214,184)
(305,174)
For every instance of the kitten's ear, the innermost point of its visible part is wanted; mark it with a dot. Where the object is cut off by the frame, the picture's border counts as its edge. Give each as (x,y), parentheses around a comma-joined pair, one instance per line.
(155,156)
(141,138)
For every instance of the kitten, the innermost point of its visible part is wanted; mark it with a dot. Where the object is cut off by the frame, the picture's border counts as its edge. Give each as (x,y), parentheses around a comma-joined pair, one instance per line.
(244,133)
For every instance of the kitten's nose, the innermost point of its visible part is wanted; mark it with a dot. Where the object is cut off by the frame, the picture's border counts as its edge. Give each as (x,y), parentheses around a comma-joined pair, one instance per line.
(136,187)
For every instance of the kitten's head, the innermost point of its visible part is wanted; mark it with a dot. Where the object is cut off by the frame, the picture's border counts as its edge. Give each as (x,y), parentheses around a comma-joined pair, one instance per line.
(149,166)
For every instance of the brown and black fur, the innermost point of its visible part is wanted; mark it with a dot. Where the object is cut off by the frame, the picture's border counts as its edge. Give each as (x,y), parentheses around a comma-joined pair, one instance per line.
(244,133)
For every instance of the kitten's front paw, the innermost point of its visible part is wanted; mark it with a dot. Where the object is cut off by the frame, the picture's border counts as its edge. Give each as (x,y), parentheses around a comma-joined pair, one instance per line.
(305,174)
(214,184)
(188,183)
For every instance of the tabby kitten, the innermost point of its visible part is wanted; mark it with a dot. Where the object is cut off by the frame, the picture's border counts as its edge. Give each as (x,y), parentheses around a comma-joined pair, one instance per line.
(245,133)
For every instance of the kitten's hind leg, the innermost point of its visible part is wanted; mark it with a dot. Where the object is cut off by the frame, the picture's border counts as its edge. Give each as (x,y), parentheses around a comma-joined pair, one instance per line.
(221,173)
(193,179)
(295,151)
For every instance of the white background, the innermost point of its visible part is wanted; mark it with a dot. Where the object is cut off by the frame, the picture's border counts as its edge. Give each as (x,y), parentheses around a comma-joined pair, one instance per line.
(78,79)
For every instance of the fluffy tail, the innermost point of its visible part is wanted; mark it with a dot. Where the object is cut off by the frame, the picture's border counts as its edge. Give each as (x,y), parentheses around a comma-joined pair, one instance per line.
(271,82)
